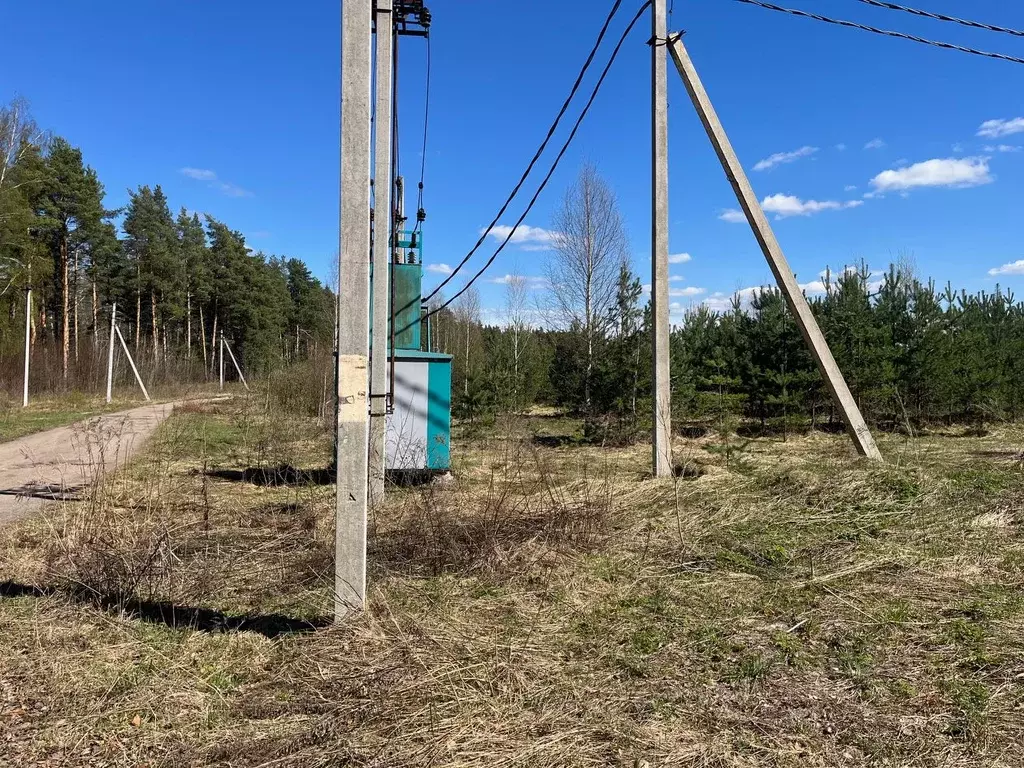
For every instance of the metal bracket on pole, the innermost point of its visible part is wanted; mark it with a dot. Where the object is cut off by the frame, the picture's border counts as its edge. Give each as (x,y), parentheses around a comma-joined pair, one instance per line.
(855,424)
(237,368)
(131,362)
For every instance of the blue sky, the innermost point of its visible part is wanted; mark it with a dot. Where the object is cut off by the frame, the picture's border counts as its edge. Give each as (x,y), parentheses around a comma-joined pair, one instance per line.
(878,144)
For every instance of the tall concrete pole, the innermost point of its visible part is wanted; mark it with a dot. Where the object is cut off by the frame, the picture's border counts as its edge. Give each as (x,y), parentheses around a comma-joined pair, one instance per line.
(662,438)
(238,368)
(381,251)
(131,362)
(353,442)
(110,353)
(28,342)
(784,276)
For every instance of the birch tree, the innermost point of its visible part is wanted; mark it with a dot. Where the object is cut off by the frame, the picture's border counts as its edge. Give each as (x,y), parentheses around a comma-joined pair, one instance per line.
(589,249)
(517,328)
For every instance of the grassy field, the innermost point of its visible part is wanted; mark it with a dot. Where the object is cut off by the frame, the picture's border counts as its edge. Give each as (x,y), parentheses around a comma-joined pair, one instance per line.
(552,607)
(48,413)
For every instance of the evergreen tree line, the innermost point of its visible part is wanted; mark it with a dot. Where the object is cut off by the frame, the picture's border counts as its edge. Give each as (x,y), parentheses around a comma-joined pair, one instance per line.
(178,281)
(912,354)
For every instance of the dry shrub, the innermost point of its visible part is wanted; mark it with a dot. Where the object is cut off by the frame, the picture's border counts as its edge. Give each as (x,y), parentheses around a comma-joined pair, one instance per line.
(139,533)
(525,516)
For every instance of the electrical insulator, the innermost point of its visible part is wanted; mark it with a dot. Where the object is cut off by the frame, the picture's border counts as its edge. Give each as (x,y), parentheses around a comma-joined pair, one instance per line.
(421,215)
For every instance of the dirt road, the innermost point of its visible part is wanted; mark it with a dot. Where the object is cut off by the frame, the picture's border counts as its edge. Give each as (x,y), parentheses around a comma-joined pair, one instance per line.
(59,462)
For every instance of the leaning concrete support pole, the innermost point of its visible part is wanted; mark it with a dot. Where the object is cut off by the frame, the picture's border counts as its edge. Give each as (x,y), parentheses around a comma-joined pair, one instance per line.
(784,276)
(234,362)
(353,406)
(131,362)
(382,221)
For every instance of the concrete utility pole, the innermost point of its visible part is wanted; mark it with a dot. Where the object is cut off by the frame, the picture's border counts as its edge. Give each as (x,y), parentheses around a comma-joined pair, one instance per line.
(353,422)
(28,341)
(131,362)
(234,362)
(381,250)
(784,276)
(662,438)
(221,360)
(110,353)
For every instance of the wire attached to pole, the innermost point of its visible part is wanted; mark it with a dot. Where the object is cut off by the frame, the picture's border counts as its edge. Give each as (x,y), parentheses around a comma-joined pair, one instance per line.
(540,150)
(943,17)
(885,32)
(421,214)
(554,165)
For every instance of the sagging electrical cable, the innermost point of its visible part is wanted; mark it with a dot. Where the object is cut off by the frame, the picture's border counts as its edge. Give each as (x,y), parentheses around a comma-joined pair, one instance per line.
(554,165)
(537,155)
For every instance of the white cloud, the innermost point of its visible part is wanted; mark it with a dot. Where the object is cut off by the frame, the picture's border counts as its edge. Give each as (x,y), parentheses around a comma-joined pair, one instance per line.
(874,144)
(841,147)
(231,190)
(199,174)
(722,302)
(1003,148)
(678,293)
(784,206)
(676,279)
(530,281)
(958,148)
(781,158)
(850,188)
(949,172)
(679,258)
(526,237)
(815,286)
(994,129)
(1013,268)
(732,216)
(210,177)
(440,269)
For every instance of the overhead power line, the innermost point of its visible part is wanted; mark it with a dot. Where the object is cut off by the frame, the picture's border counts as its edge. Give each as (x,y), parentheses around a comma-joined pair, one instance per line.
(554,164)
(886,32)
(420,213)
(943,17)
(540,150)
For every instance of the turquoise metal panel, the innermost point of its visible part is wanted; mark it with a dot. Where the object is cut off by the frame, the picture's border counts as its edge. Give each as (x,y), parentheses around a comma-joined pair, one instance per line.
(439,414)
(408,279)
(408,282)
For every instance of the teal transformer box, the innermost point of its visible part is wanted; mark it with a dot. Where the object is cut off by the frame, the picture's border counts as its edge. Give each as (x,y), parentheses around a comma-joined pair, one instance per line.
(418,436)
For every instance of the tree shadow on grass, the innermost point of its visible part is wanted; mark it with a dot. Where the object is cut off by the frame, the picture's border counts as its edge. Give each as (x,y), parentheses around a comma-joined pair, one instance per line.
(283,474)
(176,616)
(45,491)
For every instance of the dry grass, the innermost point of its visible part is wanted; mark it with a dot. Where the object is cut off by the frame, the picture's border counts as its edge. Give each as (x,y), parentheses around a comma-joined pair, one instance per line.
(552,607)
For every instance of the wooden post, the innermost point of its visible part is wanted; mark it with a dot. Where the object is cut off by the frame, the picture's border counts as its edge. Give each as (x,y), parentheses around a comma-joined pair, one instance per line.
(131,362)
(28,341)
(784,276)
(662,437)
(352,372)
(237,368)
(110,353)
